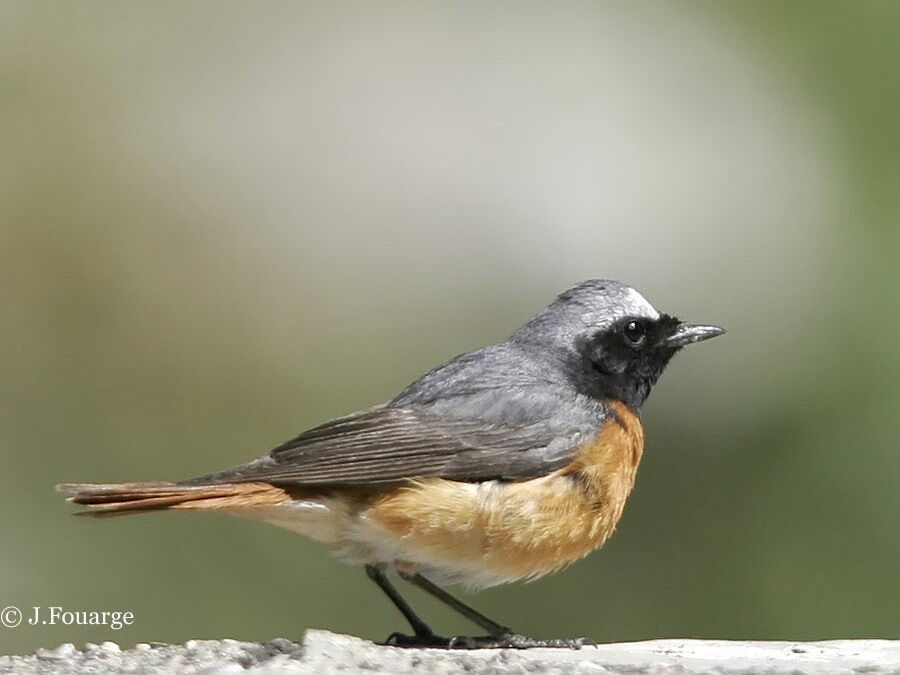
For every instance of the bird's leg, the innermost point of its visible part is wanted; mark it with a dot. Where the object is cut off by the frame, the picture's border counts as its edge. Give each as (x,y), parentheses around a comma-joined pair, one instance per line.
(424,636)
(499,635)
(495,629)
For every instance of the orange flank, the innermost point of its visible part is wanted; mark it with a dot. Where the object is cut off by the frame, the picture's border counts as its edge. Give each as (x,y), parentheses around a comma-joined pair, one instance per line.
(502,531)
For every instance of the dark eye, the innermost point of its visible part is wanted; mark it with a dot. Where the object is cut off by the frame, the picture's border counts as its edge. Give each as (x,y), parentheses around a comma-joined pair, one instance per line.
(635,332)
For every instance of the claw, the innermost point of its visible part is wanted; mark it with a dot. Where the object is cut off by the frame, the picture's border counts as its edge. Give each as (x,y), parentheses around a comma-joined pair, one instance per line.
(508,641)
(516,641)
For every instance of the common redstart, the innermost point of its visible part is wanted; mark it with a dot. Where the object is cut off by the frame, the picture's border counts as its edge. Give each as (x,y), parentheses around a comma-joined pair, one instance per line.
(505,463)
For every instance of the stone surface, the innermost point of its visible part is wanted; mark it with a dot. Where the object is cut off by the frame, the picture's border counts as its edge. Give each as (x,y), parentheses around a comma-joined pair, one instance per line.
(323,652)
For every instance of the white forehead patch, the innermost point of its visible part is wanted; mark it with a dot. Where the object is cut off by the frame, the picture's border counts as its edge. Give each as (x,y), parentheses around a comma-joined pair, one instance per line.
(636,304)
(623,301)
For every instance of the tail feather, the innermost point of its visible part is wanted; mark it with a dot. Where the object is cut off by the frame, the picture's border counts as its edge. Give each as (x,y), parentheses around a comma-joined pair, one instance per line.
(113,499)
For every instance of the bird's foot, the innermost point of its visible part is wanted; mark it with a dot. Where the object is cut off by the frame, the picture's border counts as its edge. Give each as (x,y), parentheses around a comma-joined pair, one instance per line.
(516,641)
(419,640)
(507,641)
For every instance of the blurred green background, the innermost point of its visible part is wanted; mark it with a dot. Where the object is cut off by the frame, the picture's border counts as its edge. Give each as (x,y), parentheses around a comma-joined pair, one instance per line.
(223,223)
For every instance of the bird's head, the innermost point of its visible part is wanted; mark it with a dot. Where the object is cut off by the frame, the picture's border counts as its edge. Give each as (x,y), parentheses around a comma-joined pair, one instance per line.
(612,341)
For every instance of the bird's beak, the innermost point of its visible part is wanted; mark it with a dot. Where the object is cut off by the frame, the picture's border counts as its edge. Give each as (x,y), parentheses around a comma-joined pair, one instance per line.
(688,333)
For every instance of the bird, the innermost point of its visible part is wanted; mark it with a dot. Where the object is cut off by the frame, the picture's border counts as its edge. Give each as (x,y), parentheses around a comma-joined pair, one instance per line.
(504,464)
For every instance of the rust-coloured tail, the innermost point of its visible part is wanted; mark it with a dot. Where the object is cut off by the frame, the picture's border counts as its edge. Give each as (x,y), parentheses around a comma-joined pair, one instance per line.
(117,499)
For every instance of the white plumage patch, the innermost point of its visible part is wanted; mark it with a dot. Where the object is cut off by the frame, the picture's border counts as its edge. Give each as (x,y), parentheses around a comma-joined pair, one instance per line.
(323,519)
(637,305)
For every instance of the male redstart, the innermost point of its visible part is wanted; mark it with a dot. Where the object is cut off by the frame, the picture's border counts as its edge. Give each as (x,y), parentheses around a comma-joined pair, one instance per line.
(505,463)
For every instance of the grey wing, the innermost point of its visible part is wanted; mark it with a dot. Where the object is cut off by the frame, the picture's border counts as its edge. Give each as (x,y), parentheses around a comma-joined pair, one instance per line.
(390,445)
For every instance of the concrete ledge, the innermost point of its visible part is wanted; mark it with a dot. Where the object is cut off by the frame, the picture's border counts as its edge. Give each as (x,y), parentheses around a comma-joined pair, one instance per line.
(323,652)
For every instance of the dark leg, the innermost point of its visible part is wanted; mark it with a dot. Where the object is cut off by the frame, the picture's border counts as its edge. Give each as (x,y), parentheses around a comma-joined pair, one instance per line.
(495,629)
(424,636)
(419,627)
(499,635)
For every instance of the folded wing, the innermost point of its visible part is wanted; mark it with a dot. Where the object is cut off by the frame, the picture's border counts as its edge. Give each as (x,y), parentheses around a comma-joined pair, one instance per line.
(390,445)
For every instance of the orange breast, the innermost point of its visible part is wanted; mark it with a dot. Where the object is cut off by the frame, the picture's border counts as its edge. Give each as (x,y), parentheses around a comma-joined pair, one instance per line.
(494,532)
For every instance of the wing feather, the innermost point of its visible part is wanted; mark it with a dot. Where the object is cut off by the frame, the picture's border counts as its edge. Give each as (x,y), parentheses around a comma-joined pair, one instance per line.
(390,445)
